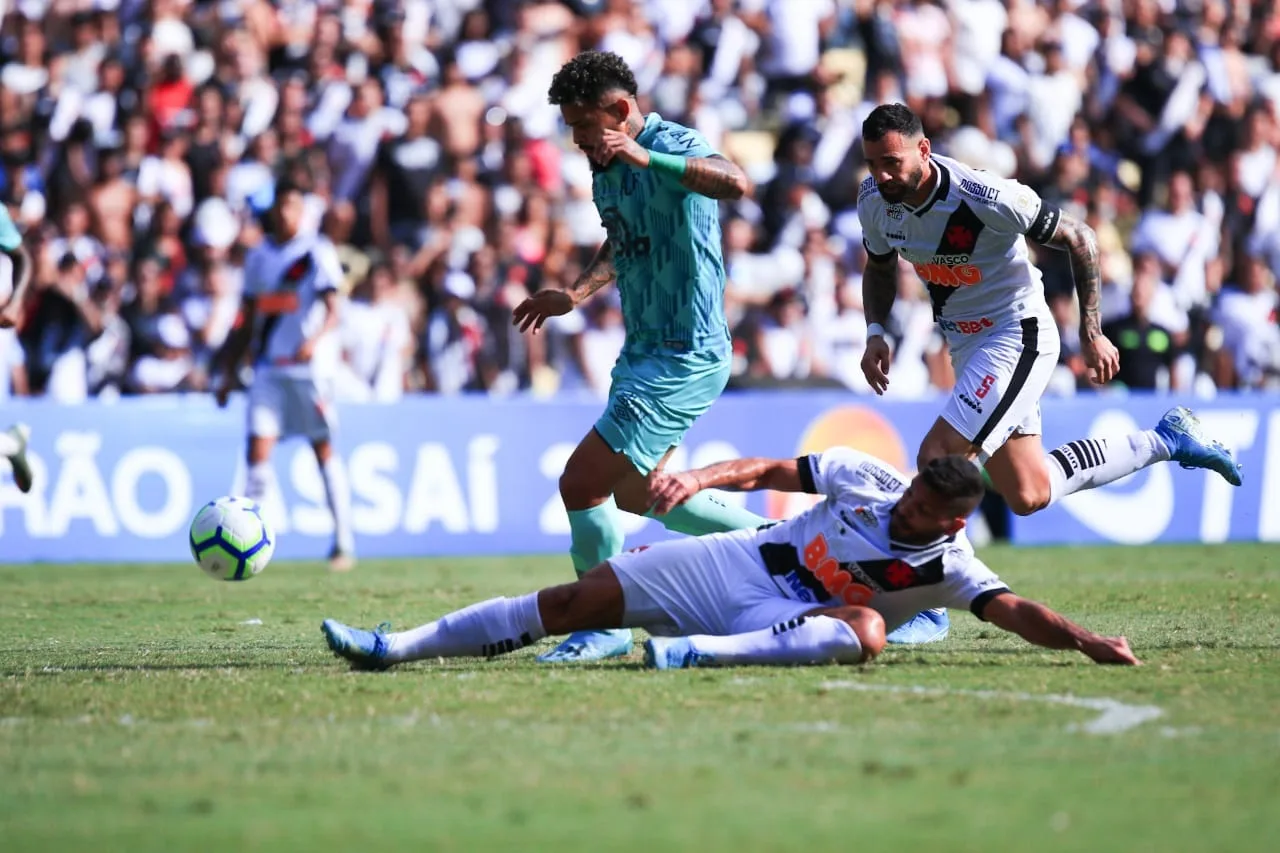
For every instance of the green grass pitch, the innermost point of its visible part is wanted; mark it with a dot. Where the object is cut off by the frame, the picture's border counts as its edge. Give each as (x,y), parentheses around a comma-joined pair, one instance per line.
(148,709)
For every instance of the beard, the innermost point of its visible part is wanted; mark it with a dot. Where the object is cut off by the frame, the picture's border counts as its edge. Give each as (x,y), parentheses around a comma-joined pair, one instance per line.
(896,192)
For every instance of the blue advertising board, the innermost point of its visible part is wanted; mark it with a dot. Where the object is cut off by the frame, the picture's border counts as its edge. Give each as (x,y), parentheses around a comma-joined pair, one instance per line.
(438,476)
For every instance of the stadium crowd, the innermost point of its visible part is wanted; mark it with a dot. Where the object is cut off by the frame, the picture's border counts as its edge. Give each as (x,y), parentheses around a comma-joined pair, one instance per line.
(142,142)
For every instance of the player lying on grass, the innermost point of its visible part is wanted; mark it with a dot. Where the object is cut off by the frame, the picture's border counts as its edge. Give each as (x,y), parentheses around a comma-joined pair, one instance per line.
(824,586)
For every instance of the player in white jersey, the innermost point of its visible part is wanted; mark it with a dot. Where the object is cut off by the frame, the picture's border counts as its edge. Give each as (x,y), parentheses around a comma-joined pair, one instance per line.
(965,231)
(289,319)
(823,586)
(13,293)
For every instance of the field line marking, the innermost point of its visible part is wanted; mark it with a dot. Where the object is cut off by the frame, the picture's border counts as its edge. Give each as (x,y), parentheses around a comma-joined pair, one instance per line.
(1114,716)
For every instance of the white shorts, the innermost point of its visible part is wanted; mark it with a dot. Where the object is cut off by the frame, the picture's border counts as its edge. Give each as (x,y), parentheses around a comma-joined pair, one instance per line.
(714,584)
(1000,379)
(281,406)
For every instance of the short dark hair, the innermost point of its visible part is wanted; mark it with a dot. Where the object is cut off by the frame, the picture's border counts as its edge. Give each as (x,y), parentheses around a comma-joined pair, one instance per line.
(955,478)
(588,77)
(891,118)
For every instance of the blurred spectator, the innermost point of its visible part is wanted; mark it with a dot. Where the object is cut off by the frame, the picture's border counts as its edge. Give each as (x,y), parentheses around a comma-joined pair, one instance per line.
(140,145)
(1147,349)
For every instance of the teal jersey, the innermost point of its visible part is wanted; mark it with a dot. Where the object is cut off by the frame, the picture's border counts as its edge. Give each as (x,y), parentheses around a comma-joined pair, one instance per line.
(10,239)
(666,246)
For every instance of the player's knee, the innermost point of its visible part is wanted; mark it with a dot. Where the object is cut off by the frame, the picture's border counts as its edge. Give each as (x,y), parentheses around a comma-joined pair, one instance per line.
(1031,494)
(869,626)
(556,606)
(579,489)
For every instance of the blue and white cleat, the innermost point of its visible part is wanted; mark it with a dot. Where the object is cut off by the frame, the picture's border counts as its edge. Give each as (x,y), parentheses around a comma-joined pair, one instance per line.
(927,626)
(671,653)
(365,649)
(21,468)
(584,646)
(1188,445)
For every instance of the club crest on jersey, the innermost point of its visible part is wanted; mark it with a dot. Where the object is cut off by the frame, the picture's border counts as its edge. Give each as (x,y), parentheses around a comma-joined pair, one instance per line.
(961,239)
(297,269)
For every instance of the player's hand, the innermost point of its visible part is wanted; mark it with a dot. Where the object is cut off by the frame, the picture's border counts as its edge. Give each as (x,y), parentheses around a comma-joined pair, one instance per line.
(875,363)
(668,491)
(304,353)
(535,310)
(1101,357)
(617,145)
(1110,650)
(222,393)
(10,316)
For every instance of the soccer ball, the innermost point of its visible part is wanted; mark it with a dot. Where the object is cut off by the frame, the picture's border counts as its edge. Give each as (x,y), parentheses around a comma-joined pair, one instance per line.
(230,539)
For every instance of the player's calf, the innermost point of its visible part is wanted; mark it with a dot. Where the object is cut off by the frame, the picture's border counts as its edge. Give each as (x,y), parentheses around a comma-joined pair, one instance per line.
(848,635)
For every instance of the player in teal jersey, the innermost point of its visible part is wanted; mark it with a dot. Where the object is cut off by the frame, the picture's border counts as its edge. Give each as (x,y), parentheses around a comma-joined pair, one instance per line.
(657,186)
(13,441)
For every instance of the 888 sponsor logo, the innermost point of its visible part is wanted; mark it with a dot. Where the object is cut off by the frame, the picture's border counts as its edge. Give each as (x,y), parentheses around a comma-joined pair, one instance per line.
(965,327)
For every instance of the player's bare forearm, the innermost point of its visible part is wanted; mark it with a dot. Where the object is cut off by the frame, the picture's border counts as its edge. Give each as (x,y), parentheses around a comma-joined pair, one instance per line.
(716,177)
(750,475)
(1037,624)
(238,341)
(879,289)
(22,268)
(598,275)
(1081,243)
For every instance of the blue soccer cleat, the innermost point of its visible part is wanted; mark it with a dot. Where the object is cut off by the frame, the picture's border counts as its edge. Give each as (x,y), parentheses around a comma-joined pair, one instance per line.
(671,653)
(1184,435)
(365,649)
(927,626)
(583,646)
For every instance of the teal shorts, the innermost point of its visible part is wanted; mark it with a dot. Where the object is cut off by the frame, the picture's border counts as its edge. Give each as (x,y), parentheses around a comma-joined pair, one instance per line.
(656,396)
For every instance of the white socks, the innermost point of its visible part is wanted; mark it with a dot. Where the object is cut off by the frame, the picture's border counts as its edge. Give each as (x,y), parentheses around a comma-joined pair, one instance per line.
(9,444)
(259,480)
(807,639)
(1093,462)
(338,492)
(492,627)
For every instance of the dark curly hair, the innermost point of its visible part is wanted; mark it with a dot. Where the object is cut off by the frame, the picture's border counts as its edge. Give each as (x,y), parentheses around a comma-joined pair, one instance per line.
(891,118)
(588,77)
(956,479)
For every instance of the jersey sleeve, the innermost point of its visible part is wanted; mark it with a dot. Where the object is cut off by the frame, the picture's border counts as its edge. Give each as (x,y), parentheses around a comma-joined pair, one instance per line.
(968,582)
(329,275)
(1010,207)
(842,470)
(10,239)
(873,239)
(252,276)
(684,141)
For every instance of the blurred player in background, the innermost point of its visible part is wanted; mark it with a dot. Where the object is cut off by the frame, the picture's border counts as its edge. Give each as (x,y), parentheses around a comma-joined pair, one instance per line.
(289,321)
(656,186)
(13,441)
(820,587)
(965,231)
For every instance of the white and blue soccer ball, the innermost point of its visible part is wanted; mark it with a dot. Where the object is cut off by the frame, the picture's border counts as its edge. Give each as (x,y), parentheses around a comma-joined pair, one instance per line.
(230,539)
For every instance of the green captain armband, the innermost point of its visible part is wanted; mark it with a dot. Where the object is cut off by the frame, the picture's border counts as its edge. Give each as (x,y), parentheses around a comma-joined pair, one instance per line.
(668,164)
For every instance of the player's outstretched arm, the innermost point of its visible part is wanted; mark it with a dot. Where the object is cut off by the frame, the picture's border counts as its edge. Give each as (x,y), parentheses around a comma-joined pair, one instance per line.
(1040,625)
(1081,243)
(668,491)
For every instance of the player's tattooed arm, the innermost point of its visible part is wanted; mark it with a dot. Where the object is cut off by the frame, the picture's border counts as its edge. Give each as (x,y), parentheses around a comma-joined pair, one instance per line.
(716,177)
(598,274)
(1081,243)
(879,287)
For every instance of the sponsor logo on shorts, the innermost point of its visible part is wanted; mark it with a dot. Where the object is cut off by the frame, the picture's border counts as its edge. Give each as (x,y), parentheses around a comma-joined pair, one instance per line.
(970,402)
(966,327)
(627,409)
